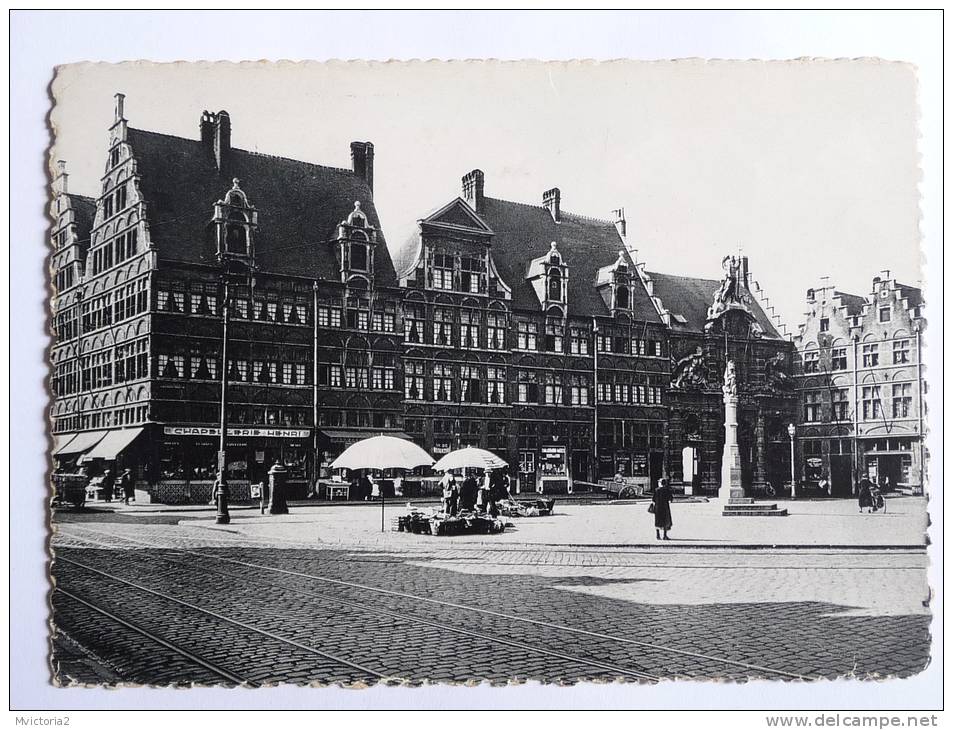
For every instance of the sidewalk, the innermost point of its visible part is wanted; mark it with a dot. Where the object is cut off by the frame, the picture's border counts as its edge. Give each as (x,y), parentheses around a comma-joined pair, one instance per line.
(812,525)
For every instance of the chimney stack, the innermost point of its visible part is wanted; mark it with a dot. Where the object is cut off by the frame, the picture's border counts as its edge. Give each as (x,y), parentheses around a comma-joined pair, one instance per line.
(618,216)
(60,182)
(473,190)
(551,203)
(743,270)
(362,162)
(215,131)
(120,104)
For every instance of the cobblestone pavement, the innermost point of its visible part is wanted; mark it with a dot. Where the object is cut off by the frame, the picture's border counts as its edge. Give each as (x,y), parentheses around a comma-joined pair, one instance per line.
(271,610)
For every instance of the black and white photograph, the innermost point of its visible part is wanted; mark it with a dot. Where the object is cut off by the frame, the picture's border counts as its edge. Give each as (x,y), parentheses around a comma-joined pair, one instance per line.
(488,374)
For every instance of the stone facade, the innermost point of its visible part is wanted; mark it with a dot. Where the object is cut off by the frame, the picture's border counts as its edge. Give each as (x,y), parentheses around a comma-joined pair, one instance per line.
(859,375)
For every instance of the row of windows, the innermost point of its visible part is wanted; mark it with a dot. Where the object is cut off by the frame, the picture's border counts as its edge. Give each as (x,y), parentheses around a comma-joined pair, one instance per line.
(121,364)
(464,273)
(630,393)
(901,395)
(123,247)
(64,278)
(115,201)
(348,376)
(870,354)
(358,316)
(205,366)
(108,309)
(128,416)
(356,418)
(884,315)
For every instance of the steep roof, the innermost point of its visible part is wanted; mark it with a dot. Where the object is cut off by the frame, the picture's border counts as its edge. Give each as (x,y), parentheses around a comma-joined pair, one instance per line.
(690,298)
(84,211)
(913,294)
(854,302)
(299,205)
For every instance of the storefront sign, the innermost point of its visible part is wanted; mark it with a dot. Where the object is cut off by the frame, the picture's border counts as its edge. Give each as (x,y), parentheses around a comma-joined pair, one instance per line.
(274,433)
(814,462)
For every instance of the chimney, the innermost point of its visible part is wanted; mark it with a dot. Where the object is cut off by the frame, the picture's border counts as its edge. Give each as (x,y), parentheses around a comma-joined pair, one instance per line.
(223,138)
(215,131)
(551,203)
(60,182)
(618,215)
(207,129)
(473,190)
(743,270)
(120,99)
(362,162)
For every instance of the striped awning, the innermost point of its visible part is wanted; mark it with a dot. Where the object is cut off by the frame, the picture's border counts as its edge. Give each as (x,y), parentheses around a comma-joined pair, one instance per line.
(79,443)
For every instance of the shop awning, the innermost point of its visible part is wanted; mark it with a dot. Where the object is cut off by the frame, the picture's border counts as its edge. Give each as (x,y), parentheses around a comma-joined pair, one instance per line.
(352,437)
(61,440)
(113,443)
(80,443)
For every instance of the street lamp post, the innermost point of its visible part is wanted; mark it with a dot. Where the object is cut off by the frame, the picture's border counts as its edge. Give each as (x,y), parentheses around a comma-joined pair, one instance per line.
(221,483)
(791,434)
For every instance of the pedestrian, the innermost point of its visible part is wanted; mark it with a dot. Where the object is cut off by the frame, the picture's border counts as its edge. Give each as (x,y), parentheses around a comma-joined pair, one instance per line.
(483,496)
(468,494)
(108,483)
(365,486)
(128,486)
(446,490)
(375,488)
(398,486)
(864,496)
(661,506)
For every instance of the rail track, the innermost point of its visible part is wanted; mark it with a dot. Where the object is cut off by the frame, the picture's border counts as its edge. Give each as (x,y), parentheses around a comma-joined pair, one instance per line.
(657,654)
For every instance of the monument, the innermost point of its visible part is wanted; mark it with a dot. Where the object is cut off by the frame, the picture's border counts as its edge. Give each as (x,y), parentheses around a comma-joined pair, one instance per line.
(731,489)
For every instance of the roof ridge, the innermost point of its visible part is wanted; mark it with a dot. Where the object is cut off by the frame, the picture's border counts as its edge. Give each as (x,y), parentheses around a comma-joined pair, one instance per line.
(589,218)
(247,152)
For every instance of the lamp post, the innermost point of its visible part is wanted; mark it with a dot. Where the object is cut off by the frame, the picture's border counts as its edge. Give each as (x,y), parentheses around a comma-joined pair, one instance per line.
(791,434)
(221,483)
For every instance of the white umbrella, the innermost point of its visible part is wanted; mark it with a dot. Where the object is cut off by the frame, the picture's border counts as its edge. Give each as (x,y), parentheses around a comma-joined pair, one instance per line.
(470,457)
(383,452)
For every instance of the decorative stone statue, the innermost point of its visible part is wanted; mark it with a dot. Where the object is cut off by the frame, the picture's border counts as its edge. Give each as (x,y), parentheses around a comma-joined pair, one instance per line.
(689,372)
(729,285)
(730,295)
(775,376)
(730,386)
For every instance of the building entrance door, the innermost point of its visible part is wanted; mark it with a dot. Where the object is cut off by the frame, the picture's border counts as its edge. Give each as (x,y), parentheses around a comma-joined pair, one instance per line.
(841,485)
(526,479)
(580,466)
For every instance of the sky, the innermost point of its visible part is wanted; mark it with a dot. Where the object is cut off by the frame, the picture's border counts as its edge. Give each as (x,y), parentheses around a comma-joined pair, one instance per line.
(808,167)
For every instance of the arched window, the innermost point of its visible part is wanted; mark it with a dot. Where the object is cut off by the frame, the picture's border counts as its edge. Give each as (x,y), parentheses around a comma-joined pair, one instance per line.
(236,233)
(555,286)
(622,297)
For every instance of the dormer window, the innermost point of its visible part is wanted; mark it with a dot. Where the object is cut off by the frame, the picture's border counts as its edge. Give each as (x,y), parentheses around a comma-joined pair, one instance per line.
(354,243)
(235,221)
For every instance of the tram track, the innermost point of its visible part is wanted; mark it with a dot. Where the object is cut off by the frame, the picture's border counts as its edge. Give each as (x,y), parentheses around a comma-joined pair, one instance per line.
(666,653)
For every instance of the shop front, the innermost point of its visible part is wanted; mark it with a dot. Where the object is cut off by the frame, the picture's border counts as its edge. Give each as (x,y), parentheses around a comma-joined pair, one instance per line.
(892,463)
(188,459)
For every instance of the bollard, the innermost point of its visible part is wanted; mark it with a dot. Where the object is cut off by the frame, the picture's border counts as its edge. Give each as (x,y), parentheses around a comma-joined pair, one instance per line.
(276,483)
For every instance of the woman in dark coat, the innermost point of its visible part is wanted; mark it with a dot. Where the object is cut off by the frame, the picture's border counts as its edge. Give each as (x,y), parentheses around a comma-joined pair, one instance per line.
(864,497)
(662,500)
(108,483)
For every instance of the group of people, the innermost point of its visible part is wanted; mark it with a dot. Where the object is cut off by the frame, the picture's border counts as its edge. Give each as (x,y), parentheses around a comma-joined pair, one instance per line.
(473,495)
(868,496)
(127,489)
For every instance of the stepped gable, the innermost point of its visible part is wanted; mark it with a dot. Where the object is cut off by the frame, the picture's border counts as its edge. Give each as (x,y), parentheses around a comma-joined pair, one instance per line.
(913,294)
(524,232)
(690,298)
(299,205)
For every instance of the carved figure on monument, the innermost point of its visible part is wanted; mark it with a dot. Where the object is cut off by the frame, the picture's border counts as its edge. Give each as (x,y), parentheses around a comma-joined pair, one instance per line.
(730,295)
(775,376)
(689,372)
(730,386)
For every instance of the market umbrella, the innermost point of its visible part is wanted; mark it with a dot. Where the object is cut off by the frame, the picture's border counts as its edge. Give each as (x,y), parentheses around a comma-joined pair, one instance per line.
(382,452)
(470,457)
